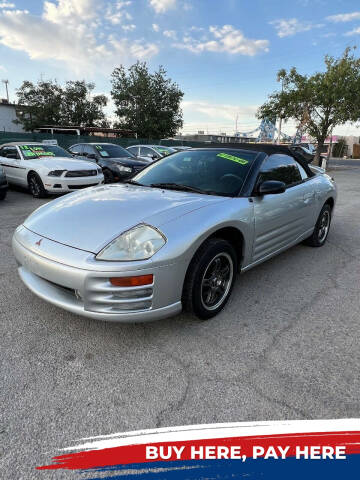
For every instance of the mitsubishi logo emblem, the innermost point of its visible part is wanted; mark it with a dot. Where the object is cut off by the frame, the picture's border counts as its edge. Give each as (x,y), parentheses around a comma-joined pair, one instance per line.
(39,242)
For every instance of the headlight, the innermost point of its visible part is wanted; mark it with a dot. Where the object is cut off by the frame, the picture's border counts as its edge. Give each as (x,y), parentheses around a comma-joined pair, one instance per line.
(122,168)
(139,243)
(56,173)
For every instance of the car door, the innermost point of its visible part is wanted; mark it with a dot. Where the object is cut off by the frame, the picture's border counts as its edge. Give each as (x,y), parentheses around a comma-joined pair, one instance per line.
(149,153)
(90,150)
(13,165)
(282,219)
(134,150)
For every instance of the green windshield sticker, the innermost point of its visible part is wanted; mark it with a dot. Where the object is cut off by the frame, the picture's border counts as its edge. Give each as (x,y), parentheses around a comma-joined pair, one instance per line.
(28,153)
(35,151)
(99,147)
(233,158)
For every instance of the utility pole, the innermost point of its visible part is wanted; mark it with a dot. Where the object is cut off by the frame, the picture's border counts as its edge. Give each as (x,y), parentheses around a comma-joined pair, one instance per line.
(6,82)
(236,124)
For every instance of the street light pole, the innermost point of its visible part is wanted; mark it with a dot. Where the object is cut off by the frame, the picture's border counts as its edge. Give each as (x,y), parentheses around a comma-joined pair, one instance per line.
(6,82)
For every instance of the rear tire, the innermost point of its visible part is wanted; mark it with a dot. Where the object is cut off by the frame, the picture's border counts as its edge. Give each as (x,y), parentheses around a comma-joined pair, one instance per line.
(210,278)
(321,230)
(3,194)
(36,186)
(108,176)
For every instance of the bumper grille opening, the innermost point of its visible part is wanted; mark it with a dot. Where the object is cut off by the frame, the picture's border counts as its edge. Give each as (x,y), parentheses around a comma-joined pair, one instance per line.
(81,173)
(78,187)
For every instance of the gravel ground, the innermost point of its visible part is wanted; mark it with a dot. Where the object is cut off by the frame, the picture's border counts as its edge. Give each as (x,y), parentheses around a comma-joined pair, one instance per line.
(285,347)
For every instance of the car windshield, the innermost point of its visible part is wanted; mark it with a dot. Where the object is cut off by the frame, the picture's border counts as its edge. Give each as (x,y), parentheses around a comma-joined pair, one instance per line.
(113,151)
(213,171)
(39,151)
(164,150)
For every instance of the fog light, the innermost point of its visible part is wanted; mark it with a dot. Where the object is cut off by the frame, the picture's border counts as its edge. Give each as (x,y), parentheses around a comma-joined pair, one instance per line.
(132,281)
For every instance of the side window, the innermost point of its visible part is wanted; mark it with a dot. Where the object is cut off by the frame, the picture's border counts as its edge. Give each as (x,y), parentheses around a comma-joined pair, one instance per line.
(76,149)
(134,150)
(147,152)
(88,149)
(303,174)
(10,152)
(282,168)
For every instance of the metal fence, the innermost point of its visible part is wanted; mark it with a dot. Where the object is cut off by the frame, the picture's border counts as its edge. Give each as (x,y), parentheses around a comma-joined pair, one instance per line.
(66,141)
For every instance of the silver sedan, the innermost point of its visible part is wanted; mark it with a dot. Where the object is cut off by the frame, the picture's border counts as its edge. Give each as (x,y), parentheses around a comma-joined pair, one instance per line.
(176,235)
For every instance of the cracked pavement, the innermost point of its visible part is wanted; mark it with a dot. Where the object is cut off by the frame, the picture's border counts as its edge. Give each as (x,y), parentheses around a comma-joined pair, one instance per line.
(285,347)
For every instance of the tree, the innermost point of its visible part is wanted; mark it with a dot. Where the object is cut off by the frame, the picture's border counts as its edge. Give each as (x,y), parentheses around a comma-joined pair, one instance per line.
(47,103)
(40,104)
(80,107)
(148,104)
(318,102)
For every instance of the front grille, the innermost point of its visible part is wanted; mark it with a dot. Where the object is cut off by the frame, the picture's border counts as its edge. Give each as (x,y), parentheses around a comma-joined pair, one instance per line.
(103,297)
(81,173)
(78,187)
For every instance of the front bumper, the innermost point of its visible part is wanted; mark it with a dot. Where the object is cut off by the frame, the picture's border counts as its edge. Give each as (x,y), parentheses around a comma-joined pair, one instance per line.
(71,184)
(89,292)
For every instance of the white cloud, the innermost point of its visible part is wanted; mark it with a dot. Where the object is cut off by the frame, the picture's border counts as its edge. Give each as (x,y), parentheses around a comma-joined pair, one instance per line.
(67,33)
(7,5)
(292,26)
(129,27)
(224,39)
(155,27)
(170,34)
(2,68)
(116,14)
(344,17)
(218,112)
(161,6)
(356,31)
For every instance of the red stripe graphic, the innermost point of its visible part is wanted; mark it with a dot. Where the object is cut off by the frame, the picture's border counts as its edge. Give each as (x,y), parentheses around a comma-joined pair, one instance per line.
(131,454)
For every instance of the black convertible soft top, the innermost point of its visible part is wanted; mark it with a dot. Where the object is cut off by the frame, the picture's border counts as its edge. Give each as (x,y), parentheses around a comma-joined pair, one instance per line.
(271,149)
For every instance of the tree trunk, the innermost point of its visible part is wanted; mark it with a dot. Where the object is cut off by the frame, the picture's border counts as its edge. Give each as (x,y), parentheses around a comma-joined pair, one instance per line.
(317,159)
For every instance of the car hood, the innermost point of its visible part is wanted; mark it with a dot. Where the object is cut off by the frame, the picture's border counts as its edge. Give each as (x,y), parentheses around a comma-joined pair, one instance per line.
(65,163)
(91,218)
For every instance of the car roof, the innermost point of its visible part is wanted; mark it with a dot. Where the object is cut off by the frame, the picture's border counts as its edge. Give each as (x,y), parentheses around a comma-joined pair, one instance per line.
(151,146)
(96,143)
(268,149)
(15,144)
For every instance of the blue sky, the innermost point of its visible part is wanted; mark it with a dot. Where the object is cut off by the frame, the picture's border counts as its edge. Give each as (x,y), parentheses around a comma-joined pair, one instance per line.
(223,53)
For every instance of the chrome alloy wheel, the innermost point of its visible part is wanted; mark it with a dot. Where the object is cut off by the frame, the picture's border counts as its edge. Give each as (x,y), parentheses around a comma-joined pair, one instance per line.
(216,281)
(324,226)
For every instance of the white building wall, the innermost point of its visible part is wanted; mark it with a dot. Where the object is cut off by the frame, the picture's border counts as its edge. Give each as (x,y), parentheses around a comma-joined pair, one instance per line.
(7,115)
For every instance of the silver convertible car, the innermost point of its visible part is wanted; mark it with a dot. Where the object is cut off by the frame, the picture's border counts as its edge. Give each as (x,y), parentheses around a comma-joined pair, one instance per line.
(175,236)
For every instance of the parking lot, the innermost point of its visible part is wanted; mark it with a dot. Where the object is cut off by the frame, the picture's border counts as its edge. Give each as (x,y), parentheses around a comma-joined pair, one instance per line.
(285,347)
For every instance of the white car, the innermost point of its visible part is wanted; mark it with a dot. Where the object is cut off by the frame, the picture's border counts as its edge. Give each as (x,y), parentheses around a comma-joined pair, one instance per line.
(47,169)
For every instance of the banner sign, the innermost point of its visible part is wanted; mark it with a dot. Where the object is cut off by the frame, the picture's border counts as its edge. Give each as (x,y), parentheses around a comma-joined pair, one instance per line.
(311,449)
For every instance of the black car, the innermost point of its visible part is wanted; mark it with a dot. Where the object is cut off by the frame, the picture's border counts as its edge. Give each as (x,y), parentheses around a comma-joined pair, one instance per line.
(117,163)
(3,184)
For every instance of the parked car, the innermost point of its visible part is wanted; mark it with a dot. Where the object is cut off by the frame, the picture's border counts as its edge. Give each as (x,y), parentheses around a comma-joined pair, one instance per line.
(46,169)
(3,183)
(150,152)
(116,162)
(175,235)
(180,148)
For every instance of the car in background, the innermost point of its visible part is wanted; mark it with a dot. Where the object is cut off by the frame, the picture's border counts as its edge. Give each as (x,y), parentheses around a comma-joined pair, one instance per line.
(45,169)
(3,183)
(116,162)
(150,152)
(181,148)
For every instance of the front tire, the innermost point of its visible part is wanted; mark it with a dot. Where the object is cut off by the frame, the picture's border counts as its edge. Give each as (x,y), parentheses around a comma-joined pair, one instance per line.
(321,230)
(108,176)
(210,278)
(36,186)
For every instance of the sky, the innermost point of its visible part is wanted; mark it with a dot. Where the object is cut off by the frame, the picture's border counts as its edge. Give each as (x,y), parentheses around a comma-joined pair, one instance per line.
(224,54)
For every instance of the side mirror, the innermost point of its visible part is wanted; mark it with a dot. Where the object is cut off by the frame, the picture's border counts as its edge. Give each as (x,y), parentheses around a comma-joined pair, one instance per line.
(271,187)
(154,157)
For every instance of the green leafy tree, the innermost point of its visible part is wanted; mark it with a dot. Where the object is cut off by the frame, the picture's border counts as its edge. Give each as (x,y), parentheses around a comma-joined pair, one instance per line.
(47,103)
(148,104)
(80,107)
(318,102)
(39,104)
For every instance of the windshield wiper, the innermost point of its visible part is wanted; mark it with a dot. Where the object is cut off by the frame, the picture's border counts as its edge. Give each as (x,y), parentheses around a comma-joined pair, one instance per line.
(178,186)
(134,182)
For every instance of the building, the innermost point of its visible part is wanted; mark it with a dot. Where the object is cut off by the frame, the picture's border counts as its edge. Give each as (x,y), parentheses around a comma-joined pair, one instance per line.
(7,117)
(89,131)
(214,138)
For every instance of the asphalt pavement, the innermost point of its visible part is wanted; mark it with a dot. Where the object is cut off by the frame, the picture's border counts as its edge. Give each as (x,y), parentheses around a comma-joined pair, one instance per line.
(285,347)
